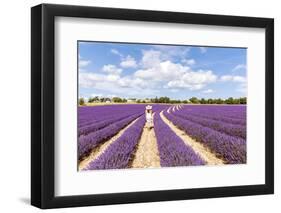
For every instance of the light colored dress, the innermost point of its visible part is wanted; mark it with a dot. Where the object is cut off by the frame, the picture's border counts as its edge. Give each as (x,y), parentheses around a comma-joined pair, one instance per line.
(149,119)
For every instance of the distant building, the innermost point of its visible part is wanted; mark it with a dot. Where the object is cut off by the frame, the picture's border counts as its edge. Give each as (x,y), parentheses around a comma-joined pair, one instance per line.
(130,100)
(147,100)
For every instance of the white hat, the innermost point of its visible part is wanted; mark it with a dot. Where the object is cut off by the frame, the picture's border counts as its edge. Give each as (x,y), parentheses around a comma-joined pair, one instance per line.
(148,107)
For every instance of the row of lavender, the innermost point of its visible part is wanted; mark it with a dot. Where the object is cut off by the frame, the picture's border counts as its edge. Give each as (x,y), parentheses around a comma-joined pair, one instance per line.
(172,149)
(88,142)
(236,130)
(233,112)
(227,114)
(119,154)
(213,126)
(95,126)
(89,115)
(100,123)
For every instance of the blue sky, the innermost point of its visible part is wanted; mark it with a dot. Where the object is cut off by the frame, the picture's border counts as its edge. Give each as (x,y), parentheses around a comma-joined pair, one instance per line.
(146,71)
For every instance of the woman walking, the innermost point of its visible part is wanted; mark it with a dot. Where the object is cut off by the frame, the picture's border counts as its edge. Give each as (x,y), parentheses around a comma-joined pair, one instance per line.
(149,117)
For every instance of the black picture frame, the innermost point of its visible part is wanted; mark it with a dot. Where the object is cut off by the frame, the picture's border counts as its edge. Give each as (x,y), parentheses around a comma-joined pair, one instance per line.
(43,102)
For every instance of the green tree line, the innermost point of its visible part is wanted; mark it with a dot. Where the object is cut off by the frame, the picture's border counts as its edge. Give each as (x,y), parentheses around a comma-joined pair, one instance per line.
(166,100)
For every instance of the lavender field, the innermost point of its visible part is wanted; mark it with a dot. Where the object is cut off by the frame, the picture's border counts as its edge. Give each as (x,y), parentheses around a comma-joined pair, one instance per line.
(116,136)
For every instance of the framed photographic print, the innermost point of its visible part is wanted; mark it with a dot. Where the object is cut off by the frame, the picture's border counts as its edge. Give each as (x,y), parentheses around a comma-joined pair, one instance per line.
(139,106)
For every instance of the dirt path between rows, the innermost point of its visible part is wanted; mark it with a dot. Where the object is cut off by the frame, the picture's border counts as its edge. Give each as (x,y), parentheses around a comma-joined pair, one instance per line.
(146,154)
(209,157)
(169,109)
(100,149)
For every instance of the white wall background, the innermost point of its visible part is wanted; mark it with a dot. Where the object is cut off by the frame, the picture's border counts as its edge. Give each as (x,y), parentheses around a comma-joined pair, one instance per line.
(15,105)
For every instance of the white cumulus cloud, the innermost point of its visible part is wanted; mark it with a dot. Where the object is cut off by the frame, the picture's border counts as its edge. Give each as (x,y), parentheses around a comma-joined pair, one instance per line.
(233,78)
(127,85)
(177,76)
(156,73)
(128,62)
(193,80)
(150,58)
(84,63)
(111,69)
(188,61)
(162,71)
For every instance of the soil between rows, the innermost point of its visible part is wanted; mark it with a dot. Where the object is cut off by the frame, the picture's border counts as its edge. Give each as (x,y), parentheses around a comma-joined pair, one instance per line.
(209,157)
(100,149)
(146,154)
